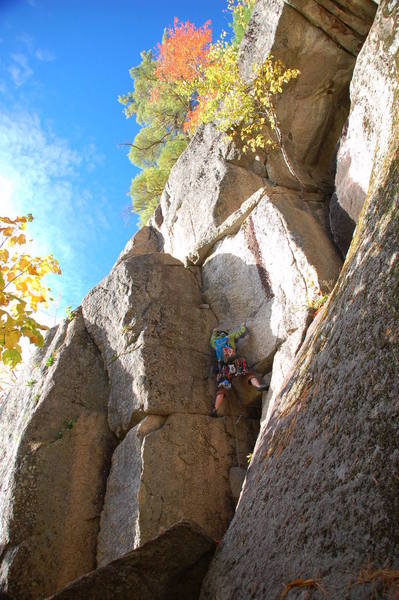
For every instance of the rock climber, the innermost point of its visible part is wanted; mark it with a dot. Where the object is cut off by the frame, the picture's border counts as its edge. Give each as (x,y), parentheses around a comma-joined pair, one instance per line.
(230,365)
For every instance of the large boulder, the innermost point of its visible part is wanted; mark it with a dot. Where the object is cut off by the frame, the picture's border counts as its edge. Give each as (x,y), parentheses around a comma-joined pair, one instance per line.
(147,318)
(145,241)
(204,194)
(168,567)
(168,469)
(374,94)
(320,503)
(271,272)
(55,449)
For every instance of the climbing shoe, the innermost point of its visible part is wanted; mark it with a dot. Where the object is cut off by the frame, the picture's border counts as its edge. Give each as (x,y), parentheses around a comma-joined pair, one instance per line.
(263,387)
(214,412)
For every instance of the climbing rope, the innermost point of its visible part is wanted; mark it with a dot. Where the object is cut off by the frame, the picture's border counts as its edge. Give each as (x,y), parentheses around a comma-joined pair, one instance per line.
(235,432)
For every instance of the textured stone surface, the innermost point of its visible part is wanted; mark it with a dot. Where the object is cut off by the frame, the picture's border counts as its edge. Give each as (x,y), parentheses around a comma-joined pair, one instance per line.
(55,448)
(269,273)
(146,319)
(236,478)
(168,567)
(145,241)
(213,180)
(206,186)
(170,469)
(374,95)
(321,494)
(312,110)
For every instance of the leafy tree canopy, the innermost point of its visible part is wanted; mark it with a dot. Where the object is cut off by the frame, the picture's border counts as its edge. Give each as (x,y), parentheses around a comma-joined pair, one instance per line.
(21,289)
(192,81)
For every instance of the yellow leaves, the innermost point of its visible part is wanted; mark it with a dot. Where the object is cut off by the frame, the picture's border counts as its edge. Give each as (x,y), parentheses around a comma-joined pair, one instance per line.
(241,110)
(11,357)
(19,239)
(11,338)
(21,290)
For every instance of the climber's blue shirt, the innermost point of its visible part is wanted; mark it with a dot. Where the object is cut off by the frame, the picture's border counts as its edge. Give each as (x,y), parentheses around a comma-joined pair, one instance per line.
(223,343)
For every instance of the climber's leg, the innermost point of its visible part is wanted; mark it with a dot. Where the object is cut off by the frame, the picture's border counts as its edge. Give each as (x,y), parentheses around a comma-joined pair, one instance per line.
(218,401)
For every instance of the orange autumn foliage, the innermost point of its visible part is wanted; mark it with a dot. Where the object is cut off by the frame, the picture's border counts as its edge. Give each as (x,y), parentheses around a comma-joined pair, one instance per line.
(183,50)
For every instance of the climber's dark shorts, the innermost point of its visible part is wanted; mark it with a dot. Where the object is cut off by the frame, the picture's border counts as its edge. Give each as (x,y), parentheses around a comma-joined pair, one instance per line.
(235,368)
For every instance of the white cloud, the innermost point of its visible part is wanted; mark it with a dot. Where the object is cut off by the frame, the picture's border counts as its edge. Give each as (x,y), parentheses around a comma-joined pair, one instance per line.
(44,55)
(21,64)
(41,174)
(19,69)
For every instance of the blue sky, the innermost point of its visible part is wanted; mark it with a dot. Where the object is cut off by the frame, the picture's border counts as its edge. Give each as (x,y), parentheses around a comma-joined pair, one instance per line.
(63,64)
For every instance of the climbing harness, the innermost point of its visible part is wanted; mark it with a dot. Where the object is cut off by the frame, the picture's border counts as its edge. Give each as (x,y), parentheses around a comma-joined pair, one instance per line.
(226,372)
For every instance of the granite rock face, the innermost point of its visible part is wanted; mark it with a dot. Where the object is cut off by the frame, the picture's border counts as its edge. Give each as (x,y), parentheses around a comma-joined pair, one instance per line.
(135,360)
(321,39)
(321,495)
(208,184)
(166,568)
(168,469)
(270,272)
(374,94)
(55,455)
(133,369)
(264,244)
(150,322)
(146,241)
(146,318)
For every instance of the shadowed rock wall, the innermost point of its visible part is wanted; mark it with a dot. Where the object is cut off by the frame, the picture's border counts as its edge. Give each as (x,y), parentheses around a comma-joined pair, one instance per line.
(55,452)
(374,95)
(321,495)
(320,498)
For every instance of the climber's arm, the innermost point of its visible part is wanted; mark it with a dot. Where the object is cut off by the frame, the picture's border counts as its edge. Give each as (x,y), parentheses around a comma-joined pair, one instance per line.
(237,334)
(213,338)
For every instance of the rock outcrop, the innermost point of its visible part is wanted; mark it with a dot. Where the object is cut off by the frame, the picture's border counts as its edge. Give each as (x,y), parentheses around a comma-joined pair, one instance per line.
(270,273)
(55,453)
(319,506)
(322,40)
(107,442)
(264,244)
(321,496)
(147,320)
(146,241)
(179,470)
(211,181)
(374,94)
(154,336)
(166,568)
(138,353)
